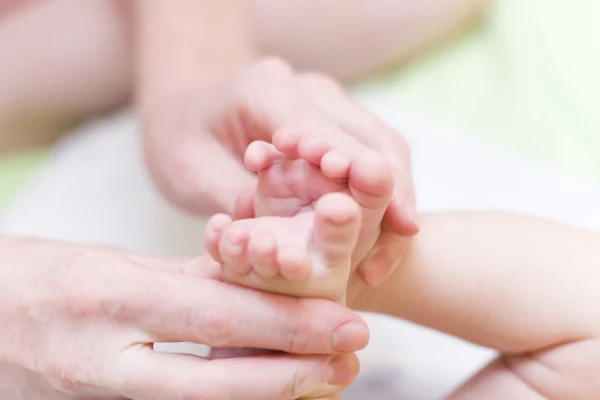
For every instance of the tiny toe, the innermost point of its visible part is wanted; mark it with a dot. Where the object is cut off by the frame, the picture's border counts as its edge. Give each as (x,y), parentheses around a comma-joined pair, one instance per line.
(261,254)
(233,249)
(312,149)
(335,166)
(336,228)
(293,263)
(261,155)
(212,234)
(338,208)
(286,141)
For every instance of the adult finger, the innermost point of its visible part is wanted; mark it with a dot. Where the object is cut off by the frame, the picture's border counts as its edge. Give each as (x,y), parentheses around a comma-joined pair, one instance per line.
(387,253)
(271,99)
(142,374)
(401,216)
(179,308)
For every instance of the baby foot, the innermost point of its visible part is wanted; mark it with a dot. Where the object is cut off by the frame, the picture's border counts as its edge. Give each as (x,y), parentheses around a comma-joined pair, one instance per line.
(303,237)
(295,171)
(306,255)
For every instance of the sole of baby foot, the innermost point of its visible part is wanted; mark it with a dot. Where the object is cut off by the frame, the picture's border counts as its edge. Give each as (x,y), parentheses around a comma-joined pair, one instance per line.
(213,232)
(226,243)
(337,224)
(272,251)
(285,186)
(311,251)
(368,176)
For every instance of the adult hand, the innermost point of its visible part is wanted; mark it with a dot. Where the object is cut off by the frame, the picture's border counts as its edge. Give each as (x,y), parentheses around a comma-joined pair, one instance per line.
(83,321)
(195,141)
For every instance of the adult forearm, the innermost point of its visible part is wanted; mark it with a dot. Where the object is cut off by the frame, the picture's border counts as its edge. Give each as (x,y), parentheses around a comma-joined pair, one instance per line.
(184,47)
(186,44)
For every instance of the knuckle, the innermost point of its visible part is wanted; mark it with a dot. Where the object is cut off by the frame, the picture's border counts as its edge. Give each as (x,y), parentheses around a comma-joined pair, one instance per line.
(293,389)
(301,330)
(294,343)
(308,380)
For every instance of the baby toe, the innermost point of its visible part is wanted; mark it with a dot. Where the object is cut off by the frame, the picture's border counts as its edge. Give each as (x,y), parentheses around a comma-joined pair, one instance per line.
(213,233)
(286,141)
(261,155)
(261,254)
(334,165)
(233,248)
(312,149)
(293,262)
(336,229)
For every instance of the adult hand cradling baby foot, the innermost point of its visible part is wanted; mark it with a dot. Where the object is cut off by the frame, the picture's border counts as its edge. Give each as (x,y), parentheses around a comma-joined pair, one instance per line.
(195,147)
(79,322)
(188,141)
(82,319)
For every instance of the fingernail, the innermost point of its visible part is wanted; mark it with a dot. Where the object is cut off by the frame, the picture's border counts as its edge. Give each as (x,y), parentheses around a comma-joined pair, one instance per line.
(342,370)
(349,337)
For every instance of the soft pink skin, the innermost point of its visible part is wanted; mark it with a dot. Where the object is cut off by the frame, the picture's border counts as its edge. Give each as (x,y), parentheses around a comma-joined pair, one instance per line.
(80,322)
(311,200)
(301,212)
(257,104)
(276,253)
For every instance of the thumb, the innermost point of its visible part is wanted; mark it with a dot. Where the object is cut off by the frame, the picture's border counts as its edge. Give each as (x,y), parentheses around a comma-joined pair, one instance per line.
(385,256)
